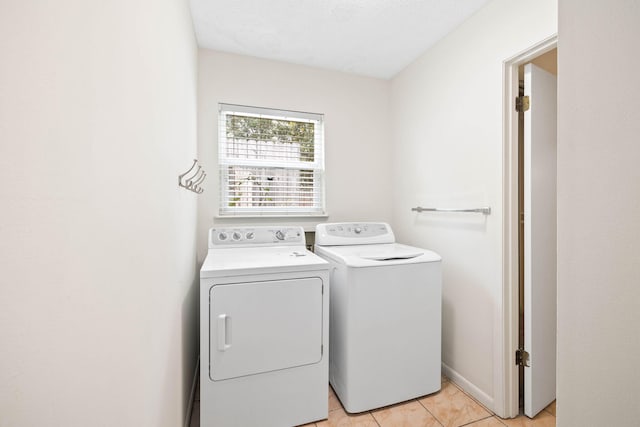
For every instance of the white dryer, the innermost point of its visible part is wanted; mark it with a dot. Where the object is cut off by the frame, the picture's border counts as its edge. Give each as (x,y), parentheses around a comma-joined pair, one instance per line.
(385,337)
(263,329)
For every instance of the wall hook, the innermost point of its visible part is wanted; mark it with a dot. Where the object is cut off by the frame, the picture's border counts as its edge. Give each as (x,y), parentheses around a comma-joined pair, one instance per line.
(193,181)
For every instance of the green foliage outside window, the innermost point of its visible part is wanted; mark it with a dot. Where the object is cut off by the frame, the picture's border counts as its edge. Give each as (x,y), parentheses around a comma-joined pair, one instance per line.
(284,131)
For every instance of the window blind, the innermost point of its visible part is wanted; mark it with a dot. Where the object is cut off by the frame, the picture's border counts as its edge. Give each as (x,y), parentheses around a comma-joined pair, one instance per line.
(271,162)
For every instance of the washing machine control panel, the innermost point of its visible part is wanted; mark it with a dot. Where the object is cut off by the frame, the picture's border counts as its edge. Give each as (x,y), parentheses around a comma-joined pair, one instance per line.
(353,233)
(357,230)
(255,236)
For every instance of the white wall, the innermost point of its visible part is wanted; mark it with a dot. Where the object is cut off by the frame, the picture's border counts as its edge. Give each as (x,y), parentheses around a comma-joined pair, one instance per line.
(598,213)
(356,113)
(98,299)
(447,135)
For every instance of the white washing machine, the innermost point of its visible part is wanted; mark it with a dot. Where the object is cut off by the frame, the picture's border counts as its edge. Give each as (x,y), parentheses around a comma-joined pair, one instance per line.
(385,337)
(264,301)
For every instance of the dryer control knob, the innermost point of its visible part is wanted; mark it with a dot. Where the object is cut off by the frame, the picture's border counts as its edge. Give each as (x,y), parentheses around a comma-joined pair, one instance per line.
(250,235)
(358,230)
(223,236)
(236,236)
(279,235)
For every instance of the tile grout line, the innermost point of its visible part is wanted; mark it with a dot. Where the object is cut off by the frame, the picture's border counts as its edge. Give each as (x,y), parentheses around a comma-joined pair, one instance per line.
(481,419)
(375,420)
(491,413)
(434,417)
(549,412)
(474,399)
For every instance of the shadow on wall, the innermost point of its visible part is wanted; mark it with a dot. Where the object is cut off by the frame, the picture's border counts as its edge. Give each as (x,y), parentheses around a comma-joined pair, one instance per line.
(464,306)
(453,221)
(190,341)
(310,239)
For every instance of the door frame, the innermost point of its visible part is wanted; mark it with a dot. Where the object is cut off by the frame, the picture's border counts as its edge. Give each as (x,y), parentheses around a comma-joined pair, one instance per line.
(505,370)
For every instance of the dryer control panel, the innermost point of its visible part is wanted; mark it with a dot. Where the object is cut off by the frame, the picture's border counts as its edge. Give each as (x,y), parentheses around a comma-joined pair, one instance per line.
(255,236)
(353,233)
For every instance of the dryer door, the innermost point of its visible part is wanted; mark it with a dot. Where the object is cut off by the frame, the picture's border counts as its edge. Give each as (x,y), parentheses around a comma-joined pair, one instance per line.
(257,327)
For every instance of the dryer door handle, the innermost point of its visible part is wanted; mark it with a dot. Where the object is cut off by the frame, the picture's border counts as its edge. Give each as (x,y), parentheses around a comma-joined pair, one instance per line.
(224,332)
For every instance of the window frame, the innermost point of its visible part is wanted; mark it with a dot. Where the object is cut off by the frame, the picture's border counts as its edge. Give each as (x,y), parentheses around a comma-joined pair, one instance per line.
(225,161)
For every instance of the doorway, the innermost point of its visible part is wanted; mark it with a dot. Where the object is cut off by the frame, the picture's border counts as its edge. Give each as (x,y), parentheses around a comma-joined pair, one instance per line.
(537,233)
(523,190)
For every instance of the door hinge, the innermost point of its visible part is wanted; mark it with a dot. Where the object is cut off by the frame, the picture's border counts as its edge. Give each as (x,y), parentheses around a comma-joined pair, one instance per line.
(522,358)
(522,103)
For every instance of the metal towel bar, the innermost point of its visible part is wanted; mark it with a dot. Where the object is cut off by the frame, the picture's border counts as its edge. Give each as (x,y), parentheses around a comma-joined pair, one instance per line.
(485,210)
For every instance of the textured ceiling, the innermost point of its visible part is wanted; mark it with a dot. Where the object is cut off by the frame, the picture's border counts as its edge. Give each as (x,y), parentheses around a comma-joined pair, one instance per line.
(376,38)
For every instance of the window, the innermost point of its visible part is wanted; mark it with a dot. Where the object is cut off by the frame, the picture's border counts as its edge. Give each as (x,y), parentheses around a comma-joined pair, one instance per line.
(271,162)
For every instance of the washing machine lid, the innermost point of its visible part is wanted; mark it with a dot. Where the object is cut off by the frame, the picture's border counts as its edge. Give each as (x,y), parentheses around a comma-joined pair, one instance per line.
(261,259)
(377,255)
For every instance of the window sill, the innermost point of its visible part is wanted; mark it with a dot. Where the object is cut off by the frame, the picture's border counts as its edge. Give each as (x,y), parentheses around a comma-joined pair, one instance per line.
(307,222)
(270,216)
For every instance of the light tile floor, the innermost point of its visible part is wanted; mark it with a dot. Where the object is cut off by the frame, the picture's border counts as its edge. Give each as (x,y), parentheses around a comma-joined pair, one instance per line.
(450,407)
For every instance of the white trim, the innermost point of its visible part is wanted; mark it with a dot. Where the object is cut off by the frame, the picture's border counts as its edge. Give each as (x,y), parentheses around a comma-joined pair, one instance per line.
(278,215)
(468,387)
(276,113)
(294,173)
(192,395)
(506,337)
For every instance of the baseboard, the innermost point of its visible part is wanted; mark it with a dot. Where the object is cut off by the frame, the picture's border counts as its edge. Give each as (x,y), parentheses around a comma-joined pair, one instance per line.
(192,396)
(469,387)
